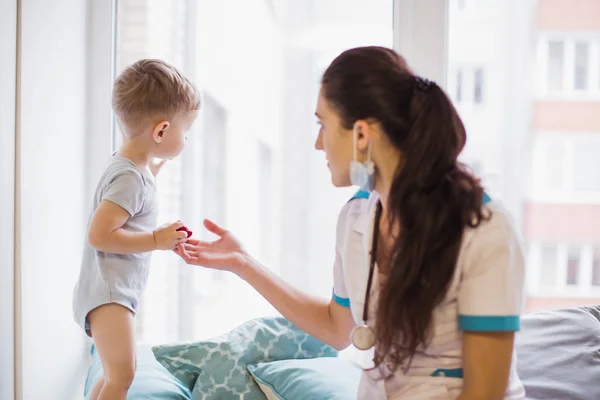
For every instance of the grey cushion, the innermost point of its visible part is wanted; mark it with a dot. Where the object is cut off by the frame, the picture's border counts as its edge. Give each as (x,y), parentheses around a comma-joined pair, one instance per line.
(558,354)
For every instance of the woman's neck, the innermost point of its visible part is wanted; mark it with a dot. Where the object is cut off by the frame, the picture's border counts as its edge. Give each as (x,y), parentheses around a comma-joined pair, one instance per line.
(385,172)
(386,161)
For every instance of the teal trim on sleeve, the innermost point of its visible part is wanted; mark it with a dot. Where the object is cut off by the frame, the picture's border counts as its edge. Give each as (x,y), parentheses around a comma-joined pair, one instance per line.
(477,323)
(448,373)
(342,301)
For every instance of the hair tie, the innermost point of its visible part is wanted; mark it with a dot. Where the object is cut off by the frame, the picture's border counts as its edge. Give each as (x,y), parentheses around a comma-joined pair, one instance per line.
(422,84)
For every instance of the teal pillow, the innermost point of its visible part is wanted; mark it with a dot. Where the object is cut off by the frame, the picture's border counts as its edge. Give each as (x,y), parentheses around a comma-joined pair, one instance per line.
(216,368)
(316,379)
(152,380)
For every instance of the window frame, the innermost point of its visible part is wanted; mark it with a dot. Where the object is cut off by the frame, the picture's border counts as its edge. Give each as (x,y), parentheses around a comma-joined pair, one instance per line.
(567,194)
(463,89)
(10,310)
(583,289)
(413,16)
(568,92)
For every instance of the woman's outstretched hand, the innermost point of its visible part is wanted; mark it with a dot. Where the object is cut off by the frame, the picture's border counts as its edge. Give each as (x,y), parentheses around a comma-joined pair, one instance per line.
(225,253)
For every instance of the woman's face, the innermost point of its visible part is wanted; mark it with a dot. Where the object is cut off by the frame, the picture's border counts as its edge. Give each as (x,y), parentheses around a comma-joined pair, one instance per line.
(335,141)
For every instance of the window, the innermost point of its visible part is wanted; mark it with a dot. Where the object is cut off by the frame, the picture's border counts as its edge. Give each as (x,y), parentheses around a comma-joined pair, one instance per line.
(212,151)
(586,168)
(582,59)
(549,266)
(469,85)
(556,64)
(248,157)
(148,29)
(598,65)
(596,266)
(573,263)
(554,166)
(565,269)
(540,141)
(478,87)
(567,63)
(566,166)
(459,85)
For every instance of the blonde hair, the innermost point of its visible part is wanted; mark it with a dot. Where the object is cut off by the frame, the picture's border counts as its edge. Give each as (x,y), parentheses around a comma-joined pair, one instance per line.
(151,88)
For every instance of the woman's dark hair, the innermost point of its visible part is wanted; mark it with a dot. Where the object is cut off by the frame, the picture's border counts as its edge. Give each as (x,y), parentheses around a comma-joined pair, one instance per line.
(433,197)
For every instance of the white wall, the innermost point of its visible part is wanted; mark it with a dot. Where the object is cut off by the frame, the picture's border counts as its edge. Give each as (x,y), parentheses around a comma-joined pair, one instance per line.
(8,47)
(52,195)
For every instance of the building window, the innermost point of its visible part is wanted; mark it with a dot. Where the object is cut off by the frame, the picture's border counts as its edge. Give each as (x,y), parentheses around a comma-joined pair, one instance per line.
(566,165)
(549,266)
(568,66)
(470,82)
(554,166)
(586,168)
(598,64)
(459,85)
(556,64)
(582,60)
(569,269)
(596,266)
(573,264)
(478,87)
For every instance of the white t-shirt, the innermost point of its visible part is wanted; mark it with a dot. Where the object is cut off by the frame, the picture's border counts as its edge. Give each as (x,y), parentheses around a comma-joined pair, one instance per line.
(486,294)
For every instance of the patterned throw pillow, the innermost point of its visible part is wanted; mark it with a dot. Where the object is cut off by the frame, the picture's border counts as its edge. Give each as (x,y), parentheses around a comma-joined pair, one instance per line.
(216,368)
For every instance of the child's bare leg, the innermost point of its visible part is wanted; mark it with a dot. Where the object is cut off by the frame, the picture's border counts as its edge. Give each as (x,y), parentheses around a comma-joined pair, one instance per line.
(113,331)
(96,388)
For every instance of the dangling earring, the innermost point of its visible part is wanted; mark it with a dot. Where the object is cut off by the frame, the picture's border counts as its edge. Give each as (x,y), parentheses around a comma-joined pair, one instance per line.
(361,174)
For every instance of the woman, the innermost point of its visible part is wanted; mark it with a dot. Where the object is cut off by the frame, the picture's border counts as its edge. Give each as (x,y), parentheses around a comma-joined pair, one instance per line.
(428,271)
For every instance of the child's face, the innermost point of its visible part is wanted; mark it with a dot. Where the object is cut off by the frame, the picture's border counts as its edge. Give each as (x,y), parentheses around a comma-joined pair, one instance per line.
(170,140)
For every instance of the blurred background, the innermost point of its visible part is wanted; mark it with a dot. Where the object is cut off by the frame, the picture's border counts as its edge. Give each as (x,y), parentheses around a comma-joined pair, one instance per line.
(524,75)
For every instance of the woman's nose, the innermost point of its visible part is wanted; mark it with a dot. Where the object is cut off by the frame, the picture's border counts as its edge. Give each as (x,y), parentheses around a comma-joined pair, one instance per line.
(319,142)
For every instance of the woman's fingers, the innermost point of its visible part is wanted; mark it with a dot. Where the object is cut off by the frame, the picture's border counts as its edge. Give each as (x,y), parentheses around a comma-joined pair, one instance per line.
(196,248)
(209,259)
(198,243)
(214,228)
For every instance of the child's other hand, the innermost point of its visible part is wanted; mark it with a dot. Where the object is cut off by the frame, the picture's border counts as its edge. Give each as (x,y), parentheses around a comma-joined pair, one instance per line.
(156,165)
(167,237)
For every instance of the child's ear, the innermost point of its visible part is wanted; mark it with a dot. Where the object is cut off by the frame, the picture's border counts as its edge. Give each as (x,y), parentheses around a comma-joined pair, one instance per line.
(159,131)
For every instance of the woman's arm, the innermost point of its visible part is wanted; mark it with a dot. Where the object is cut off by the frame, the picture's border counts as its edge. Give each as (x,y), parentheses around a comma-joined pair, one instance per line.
(327,321)
(486,364)
(490,299)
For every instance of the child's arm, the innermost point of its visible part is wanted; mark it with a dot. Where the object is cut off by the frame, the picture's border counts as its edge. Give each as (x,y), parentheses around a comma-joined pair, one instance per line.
(106,233)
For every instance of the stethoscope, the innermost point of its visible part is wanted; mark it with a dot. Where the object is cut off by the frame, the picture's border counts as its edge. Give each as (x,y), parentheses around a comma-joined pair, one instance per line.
(363,336)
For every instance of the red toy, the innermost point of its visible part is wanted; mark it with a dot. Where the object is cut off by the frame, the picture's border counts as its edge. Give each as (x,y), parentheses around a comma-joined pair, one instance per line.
(186,230)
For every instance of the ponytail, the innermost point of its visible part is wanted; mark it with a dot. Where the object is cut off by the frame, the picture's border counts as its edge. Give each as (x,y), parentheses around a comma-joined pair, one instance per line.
(432,198)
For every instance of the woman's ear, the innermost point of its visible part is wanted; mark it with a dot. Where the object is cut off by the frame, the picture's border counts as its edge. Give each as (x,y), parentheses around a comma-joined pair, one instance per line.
(363,133)
(159,131)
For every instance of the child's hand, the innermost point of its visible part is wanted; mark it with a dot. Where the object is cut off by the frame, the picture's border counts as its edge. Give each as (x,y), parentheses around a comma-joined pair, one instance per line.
(167,237)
